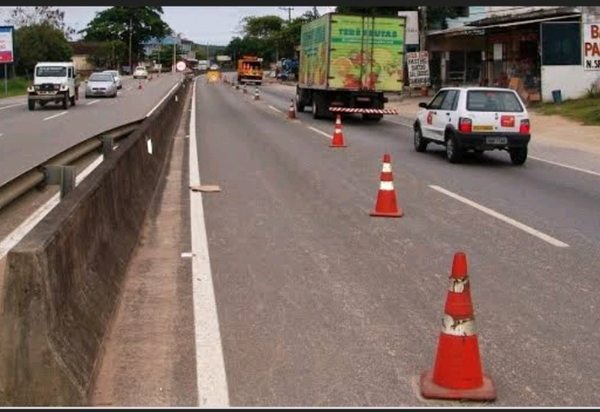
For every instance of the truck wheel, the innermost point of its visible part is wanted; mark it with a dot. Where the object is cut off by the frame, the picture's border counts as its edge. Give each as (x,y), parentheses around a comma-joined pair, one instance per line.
(65,102)
(299,106)
(453,153)
(518,156)
(31,104)
(315,109)
(72,98)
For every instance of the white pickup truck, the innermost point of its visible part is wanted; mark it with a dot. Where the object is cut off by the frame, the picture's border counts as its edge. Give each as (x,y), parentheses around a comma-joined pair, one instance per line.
(55,82)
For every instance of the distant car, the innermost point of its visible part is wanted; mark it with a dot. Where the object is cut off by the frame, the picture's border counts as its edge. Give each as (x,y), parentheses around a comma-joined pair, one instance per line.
(101,85)
(140,72)
(214,67)
(117,77)
(474,119)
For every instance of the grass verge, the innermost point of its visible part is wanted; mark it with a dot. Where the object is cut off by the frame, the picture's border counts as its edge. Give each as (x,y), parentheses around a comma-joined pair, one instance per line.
(17,86)
(585,110)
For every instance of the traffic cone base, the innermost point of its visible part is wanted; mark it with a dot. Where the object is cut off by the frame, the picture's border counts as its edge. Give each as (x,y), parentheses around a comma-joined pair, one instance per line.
(457,371)
(429,390)
(387,198)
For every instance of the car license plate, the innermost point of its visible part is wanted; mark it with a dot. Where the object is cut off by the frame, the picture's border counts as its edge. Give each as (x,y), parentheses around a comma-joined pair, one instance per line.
(496,140)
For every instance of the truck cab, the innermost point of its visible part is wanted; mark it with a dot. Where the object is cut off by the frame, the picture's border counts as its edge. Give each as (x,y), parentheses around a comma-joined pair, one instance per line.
(55,82)
(249,70)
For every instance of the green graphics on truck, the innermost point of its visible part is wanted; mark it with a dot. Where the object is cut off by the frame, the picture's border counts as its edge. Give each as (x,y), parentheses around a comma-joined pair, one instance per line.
(367,52)
(314,47)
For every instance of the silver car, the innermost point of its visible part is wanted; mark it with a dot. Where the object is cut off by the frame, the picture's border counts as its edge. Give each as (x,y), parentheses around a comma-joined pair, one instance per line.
(101,85)
(117,77)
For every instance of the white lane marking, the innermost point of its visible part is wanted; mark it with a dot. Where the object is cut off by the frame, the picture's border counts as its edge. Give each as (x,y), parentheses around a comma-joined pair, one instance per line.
(275,109)
(321,132)
(577,169)
(54,116)
(19,233)
(163,99)
(210,365)
(12,105)
(499,216)
(92,102)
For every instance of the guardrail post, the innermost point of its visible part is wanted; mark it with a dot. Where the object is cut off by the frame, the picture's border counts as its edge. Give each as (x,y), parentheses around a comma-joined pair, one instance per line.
(63,176)
(108,146)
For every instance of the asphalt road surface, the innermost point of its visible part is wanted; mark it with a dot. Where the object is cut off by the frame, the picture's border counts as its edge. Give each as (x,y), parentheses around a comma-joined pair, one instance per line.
(320,304)
(30,138)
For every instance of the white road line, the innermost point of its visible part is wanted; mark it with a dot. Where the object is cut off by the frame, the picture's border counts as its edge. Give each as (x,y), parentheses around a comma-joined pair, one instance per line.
(54,116)
(162,100)
(499,216)
(210,365)
(577,169)
(275,109)
(19,233)
(12,105)
(321,132)
(92,102)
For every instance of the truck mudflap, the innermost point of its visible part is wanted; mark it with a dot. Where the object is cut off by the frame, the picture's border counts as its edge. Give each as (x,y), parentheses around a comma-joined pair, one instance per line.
(337,109)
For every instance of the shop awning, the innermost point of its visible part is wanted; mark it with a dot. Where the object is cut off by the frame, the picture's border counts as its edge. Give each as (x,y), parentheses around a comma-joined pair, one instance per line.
(479,30)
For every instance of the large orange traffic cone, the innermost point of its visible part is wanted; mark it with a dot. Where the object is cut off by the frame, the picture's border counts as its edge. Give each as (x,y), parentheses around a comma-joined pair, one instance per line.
(291,110)
(386,204)
(338,136)
(457,372)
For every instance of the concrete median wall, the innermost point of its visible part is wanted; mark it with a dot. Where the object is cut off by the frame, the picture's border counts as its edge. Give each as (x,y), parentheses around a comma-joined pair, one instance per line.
(63,280)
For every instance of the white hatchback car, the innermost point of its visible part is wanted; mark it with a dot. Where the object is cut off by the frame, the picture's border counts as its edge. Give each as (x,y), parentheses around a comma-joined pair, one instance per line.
(117,76)
(140,72)
(474,119)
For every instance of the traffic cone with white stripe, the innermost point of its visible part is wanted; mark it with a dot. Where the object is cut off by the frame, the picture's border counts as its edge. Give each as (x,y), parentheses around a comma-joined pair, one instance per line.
(291,111)
(387,204)
(338,136)
(457,373)
(139,84)
(256,94)
(244,89)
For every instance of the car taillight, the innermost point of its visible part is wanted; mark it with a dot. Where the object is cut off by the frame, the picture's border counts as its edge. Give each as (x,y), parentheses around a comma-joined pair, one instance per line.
(524,127)
(465,125)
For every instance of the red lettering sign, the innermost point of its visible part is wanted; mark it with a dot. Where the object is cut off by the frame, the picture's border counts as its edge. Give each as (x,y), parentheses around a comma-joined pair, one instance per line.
(594,31)
(591,49)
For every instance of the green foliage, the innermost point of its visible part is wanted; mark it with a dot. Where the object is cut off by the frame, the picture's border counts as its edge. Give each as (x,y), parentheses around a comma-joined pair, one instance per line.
(113,24)
(30,16)
(110,54)
(164,55)
(268,37)
(17,86)
(40,42)
(436,16)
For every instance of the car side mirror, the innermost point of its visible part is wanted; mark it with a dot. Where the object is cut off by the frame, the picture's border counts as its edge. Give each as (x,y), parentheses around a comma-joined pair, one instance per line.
(424,105)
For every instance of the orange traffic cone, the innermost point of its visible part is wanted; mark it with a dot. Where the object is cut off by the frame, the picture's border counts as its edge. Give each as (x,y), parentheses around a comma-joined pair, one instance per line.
(291,110)
(338,136)
(457,372)
(140,85)
(386,204)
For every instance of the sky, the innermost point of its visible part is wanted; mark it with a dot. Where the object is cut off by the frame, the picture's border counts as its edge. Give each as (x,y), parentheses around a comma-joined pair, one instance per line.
(203,25)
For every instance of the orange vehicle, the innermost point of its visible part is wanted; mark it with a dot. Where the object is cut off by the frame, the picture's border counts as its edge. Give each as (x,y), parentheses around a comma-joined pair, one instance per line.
(249,70)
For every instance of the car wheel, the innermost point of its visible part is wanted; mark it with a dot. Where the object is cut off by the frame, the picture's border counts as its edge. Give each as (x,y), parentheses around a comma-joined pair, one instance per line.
(453,152)
(518,156)
(418,140)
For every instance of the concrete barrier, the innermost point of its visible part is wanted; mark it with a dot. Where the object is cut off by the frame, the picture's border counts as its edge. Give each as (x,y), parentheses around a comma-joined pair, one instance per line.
(63,280)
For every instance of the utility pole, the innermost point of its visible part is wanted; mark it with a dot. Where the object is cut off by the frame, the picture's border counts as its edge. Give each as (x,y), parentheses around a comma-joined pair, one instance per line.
(130,44)
(423,39)
(289,10)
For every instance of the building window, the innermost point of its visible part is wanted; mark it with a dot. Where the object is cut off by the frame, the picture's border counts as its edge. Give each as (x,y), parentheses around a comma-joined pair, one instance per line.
(561,44)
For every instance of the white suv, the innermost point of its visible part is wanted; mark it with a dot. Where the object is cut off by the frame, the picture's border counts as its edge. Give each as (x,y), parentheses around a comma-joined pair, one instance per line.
(474,118)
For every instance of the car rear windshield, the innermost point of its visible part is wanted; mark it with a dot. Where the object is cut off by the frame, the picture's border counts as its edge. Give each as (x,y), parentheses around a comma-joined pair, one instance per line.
(493,101)
(101,78)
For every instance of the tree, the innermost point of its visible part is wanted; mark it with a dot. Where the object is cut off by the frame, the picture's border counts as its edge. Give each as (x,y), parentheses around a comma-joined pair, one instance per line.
(114,24)
(436,16)
(164,55)
(109,54)
(30,16)
(40,42)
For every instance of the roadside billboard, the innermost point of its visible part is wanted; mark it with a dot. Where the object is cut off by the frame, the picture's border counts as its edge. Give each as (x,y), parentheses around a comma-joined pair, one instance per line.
(6,45)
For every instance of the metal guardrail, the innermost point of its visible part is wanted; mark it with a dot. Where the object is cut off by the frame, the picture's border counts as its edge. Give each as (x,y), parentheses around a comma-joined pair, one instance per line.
(38,175)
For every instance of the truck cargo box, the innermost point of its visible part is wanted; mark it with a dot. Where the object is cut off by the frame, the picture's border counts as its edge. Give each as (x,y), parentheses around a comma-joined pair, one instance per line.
(350,52)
